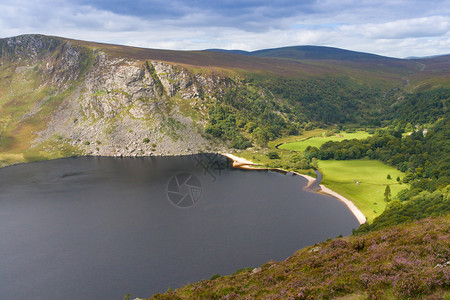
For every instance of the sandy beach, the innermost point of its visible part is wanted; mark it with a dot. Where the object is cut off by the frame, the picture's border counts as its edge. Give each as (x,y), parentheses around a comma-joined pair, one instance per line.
(358,214)
(242,163)
(307,177)
(238,161)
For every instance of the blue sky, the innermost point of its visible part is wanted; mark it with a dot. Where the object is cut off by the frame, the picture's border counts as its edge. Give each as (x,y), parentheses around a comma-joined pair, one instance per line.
(398,28)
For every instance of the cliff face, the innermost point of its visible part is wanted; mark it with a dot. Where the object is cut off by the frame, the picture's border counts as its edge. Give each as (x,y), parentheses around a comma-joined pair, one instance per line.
(99,104)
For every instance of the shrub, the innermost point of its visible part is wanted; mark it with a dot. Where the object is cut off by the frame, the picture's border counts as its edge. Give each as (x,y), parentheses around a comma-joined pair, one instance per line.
(146,140)
(87,143)
(240,143)
(273,155)
(215,276)
(329,133)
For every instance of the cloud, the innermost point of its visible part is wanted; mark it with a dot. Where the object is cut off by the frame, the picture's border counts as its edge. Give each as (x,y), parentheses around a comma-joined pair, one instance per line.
(419,27)
(396,28)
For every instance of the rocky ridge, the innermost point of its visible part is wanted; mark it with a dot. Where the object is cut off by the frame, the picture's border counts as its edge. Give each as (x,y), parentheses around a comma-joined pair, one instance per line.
(115,106)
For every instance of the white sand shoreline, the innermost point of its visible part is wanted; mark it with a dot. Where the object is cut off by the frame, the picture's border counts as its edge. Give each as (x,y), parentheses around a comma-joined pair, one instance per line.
(356,212)
(242,163)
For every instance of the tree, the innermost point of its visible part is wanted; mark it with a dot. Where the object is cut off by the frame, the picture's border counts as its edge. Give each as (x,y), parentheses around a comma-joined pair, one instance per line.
(260,137)
(388,176)
(398,178)
(387,193)
(273,155)
(314,163)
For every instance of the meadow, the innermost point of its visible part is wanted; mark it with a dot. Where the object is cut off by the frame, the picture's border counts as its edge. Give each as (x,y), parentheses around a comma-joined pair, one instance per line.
(363,181)
(317,141)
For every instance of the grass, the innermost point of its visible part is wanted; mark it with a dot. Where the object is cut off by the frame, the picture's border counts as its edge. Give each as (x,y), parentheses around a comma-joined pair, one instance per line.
(368,195)
(296,138)
(7,159)
(317,141)
(24,88)
(259,156)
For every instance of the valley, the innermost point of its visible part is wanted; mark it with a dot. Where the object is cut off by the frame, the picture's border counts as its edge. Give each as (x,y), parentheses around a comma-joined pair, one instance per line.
(376,127)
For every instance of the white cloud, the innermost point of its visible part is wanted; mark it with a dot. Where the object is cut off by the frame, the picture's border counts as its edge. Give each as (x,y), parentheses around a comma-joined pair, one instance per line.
(345,24)
(411,28)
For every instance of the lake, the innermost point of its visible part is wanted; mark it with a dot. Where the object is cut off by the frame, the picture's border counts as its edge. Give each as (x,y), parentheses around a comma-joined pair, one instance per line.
(100,227)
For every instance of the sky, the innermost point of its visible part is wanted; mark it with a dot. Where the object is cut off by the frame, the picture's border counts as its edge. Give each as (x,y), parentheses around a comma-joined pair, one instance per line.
(397,28)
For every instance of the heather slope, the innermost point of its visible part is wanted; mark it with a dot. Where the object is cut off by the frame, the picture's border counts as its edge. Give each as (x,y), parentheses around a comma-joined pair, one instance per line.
(299,62)
(399,262)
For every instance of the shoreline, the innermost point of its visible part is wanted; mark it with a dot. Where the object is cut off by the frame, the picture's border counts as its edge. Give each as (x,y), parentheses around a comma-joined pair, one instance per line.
(356,212)
(242,163)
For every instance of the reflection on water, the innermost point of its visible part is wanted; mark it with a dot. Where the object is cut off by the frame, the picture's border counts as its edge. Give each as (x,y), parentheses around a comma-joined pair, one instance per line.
(90,227)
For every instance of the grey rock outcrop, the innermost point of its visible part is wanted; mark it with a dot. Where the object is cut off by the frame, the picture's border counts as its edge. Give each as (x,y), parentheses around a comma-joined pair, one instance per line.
(123,107)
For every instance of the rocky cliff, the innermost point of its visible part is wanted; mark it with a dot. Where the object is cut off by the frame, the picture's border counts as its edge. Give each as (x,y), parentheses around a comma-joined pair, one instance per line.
(100,104)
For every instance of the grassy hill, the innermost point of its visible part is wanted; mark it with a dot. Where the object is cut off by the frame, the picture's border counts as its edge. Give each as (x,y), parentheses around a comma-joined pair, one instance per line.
(406,262)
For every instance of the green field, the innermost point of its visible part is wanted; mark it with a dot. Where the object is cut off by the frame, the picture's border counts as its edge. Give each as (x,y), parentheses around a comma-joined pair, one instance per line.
(342,176)
(317,141)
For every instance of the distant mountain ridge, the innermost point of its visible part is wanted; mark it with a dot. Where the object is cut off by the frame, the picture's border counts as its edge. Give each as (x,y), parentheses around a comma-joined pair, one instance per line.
(309,53)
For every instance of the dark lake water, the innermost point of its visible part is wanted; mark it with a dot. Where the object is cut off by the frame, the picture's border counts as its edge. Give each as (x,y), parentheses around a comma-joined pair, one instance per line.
(88,228)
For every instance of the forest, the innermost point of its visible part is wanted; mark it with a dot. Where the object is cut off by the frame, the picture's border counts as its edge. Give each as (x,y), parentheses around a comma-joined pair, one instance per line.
(246,116)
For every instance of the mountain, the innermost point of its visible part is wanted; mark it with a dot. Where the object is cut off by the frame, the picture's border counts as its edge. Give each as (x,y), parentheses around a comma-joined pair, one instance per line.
(241,52)
(426,57)
(61,97)
(309,53)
